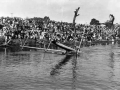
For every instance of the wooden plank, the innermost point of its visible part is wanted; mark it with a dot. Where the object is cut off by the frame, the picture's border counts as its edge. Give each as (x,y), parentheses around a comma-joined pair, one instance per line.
(33,47)
(46,50)
(52,50)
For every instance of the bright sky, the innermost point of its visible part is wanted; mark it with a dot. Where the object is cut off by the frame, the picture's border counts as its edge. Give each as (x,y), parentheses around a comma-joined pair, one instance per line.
(62,10)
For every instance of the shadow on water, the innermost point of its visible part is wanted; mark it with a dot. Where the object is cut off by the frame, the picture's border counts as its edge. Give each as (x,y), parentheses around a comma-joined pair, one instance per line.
(63,62)
(55,70)
(58,66)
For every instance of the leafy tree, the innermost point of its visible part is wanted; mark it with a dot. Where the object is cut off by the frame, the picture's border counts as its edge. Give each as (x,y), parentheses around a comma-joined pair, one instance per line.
(46,19)
(94,22)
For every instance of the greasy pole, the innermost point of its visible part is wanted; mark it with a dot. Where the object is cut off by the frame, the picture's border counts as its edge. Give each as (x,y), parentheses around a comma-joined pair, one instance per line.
(74,18)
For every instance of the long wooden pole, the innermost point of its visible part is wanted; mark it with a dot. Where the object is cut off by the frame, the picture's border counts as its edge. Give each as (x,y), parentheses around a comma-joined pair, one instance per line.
(74,18)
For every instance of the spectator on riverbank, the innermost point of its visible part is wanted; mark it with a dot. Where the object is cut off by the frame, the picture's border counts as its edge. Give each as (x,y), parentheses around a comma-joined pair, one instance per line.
(41,29)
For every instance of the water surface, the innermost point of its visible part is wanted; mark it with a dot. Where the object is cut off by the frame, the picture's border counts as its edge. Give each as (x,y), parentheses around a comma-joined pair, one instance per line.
(97,68)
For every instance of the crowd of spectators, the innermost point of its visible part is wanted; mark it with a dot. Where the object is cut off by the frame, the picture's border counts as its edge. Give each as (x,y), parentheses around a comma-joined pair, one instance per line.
(46,29)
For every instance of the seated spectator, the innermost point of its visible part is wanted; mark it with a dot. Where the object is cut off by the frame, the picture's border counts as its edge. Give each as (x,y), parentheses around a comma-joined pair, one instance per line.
(109,23)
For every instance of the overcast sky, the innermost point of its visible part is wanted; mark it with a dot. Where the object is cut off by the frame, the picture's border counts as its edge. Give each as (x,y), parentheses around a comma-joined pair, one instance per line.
(62,10)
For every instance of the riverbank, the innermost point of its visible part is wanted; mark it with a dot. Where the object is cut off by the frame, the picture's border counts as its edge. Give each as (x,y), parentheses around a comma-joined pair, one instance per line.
(47,44)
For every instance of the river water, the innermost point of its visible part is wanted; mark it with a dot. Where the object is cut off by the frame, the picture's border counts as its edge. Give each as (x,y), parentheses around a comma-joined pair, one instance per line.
(97,68)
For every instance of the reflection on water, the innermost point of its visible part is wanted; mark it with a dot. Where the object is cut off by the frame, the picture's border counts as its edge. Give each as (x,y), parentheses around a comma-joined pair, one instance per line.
(97,68)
